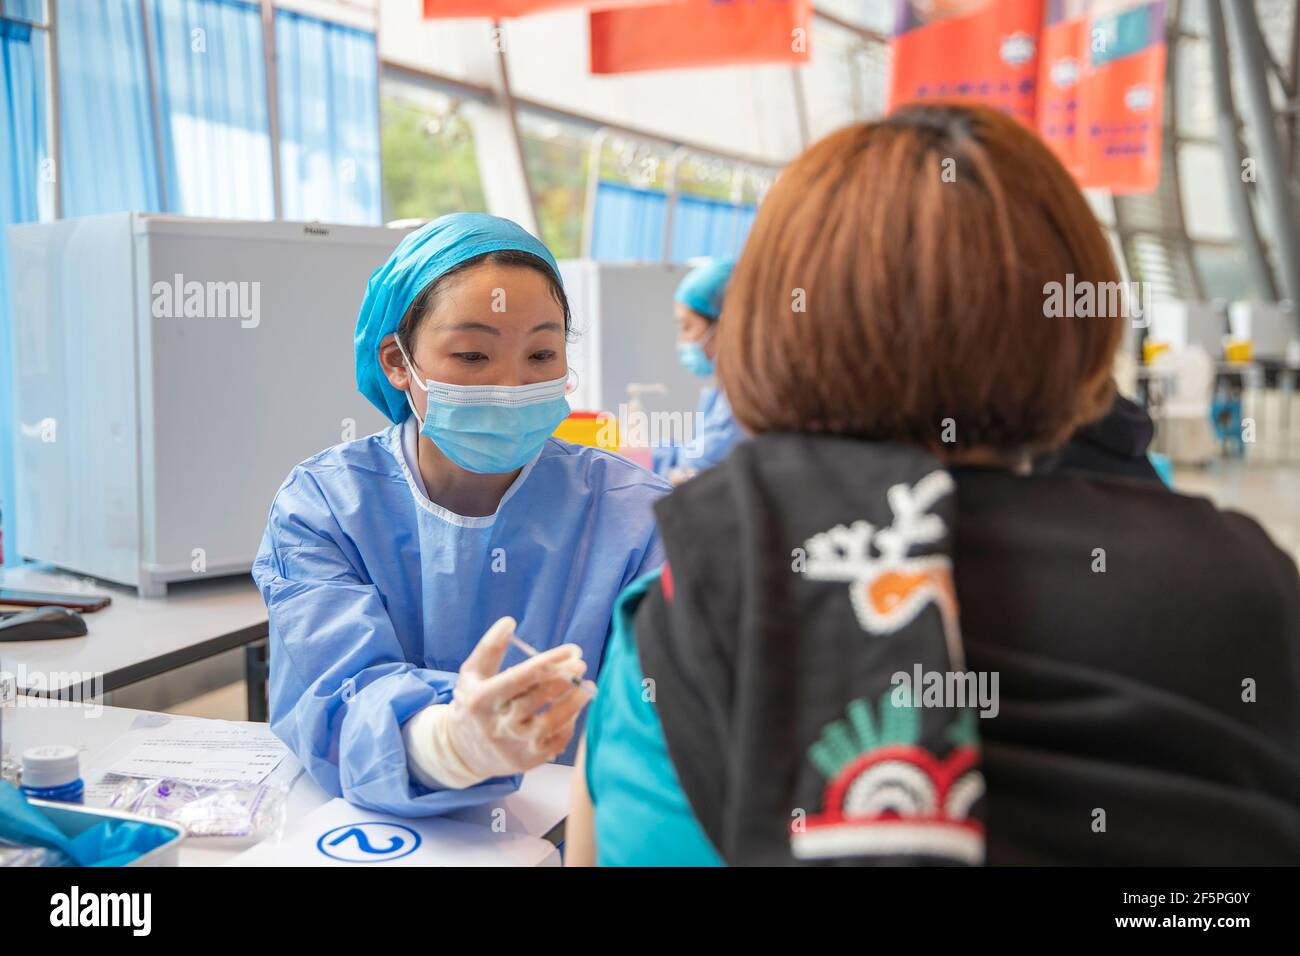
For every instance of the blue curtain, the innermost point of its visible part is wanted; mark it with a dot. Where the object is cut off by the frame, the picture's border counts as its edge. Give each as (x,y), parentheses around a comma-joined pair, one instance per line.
(31,11)
(328,78)
(709,227)
(109,162)
(24,157)
(215,122)
(628,223)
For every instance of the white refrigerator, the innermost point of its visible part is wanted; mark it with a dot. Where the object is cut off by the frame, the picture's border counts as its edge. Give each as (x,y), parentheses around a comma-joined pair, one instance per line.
(168,374)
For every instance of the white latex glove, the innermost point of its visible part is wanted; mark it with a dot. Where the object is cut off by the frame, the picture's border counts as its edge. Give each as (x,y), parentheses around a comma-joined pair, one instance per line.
(493,727)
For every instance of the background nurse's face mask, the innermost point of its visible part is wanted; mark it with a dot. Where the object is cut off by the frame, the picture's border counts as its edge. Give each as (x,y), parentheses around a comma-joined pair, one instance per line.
(693,357)
(489,429)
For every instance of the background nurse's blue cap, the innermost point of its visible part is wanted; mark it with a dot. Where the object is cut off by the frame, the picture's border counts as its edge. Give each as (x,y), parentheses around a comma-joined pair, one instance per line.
(420,259)
(703,288)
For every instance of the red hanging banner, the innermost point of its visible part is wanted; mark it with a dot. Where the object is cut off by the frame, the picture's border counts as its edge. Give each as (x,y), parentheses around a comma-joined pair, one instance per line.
(700,33)
(1087,74)
(1065,33)
(1122,95)
(983,51)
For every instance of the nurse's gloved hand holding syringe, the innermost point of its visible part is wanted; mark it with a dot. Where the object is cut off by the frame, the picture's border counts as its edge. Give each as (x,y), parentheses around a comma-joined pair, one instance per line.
(500,722)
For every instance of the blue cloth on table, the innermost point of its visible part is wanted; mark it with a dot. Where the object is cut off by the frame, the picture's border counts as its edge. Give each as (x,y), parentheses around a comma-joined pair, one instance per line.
(111,843)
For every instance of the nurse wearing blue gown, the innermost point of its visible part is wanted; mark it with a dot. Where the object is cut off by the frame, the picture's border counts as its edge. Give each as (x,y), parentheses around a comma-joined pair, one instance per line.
(698,304)
(397,568)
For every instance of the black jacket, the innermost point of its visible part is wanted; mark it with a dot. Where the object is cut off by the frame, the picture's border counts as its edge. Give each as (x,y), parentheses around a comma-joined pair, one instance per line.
(1114,445)
(1146,645)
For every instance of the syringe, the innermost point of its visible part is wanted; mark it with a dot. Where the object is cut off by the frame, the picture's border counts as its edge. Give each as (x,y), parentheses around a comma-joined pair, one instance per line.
(531,651)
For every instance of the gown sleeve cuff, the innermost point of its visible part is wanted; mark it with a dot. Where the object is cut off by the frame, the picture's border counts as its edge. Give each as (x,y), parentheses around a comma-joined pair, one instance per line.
(430,757)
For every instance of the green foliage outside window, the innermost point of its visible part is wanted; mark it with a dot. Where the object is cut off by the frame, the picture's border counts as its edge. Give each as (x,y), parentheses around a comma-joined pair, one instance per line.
(429,163)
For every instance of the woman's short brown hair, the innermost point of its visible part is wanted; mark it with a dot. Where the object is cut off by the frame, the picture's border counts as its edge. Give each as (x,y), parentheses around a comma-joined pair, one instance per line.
(894,285)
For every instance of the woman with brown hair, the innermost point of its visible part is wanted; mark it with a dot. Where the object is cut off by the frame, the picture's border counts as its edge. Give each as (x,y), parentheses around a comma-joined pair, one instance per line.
(879,637)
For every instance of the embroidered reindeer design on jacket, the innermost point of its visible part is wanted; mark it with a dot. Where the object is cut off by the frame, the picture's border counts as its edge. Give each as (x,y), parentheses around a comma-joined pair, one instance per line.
(888,585)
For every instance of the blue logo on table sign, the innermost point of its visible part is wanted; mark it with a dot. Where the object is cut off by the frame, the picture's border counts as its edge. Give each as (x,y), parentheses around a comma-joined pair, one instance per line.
(371,842)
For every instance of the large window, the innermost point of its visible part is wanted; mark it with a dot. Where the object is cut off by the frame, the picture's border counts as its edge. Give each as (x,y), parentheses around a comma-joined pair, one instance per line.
(1224,272)
(557,155)
(652,203)
(716,203)
(1217,253)
(428,155)
(164,106)
(628,203)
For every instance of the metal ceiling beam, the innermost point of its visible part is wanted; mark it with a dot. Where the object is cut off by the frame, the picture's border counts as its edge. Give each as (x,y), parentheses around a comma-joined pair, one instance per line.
(1274,175)
(1243,215)
(447,84)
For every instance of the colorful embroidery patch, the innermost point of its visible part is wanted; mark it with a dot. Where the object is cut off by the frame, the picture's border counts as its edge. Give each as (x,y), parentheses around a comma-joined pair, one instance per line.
(889,586)
(888,796)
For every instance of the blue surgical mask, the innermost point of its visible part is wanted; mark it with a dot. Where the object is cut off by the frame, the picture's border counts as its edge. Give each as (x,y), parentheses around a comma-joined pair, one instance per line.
(694,359)
(490,429)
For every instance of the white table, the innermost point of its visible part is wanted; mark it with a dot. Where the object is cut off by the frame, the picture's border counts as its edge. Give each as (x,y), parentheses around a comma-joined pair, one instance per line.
(539,807)
(136,638)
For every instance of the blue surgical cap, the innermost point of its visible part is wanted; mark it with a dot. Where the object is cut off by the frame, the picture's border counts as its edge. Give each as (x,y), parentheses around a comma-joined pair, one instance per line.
(419,260)
(703,288)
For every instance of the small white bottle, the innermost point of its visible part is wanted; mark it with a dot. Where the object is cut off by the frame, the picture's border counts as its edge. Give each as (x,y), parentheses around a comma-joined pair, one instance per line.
(53,772)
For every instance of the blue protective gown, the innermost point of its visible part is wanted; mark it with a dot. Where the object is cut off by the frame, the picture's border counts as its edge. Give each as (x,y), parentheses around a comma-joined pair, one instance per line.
(377,595)
(717,434)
